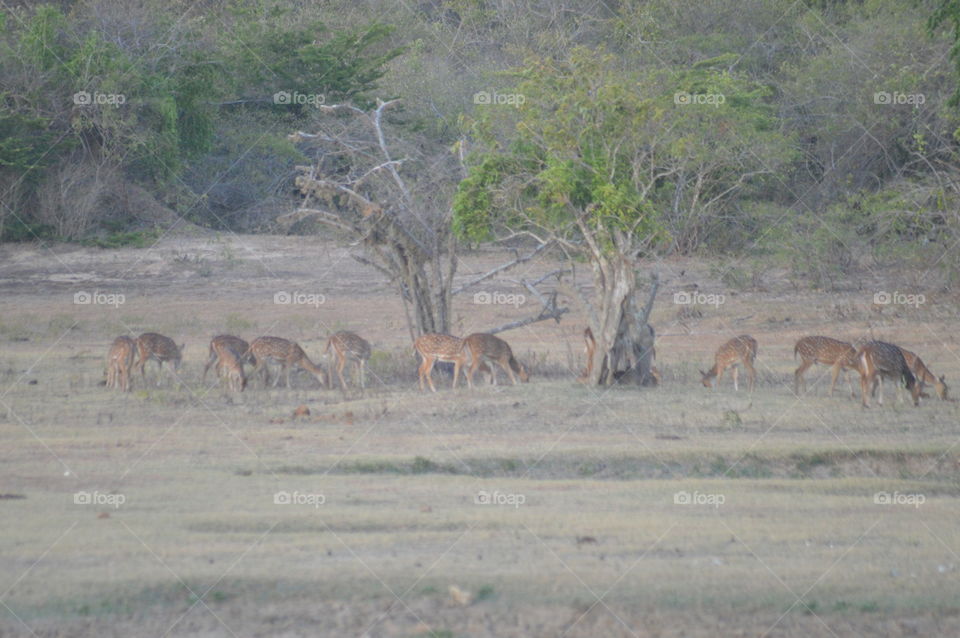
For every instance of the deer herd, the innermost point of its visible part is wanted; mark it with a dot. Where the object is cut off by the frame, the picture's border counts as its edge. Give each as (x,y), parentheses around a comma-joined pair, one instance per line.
(874,361)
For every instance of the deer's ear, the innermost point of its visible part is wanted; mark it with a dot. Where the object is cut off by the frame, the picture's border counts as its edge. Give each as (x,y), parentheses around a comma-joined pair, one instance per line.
(702,373)
(182,346)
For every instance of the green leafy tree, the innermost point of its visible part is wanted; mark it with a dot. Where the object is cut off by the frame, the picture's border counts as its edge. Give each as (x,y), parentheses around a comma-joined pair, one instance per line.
(607,165)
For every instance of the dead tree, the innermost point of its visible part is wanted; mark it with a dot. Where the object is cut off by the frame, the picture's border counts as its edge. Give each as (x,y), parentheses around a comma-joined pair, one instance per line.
(392,198)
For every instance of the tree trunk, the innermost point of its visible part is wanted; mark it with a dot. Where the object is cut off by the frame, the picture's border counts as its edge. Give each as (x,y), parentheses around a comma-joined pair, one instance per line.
(624,339)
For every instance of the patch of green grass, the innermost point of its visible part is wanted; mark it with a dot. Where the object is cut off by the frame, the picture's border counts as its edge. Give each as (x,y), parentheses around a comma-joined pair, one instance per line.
(60,324)
(509,465)
(590,468)
(423,465)
(419,465)
(124,239)
(236,322)
(485,592)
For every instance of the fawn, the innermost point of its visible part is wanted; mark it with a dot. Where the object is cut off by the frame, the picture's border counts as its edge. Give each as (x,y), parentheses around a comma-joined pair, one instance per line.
(230,366)
(119,362)
(236,345)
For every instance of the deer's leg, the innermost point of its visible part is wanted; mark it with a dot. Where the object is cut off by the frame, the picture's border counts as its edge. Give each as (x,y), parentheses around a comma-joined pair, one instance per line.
(798,378)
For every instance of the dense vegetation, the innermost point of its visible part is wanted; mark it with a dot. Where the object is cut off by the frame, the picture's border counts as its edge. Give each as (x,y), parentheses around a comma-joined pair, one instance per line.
(821,132)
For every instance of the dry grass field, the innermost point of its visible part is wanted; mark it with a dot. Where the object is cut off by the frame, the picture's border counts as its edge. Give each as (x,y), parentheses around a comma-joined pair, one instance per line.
(545,509)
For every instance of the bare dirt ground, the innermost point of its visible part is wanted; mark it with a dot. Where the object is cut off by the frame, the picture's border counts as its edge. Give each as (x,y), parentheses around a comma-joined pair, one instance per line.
(545,509)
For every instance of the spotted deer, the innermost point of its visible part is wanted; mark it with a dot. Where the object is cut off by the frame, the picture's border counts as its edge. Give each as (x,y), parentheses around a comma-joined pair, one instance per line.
(348,346)
(288,354)
(878,359)
(119,363)
(151,345)
(437,347)
(236,345)
(839,355)
(924,376)
(488,348)
(230,366)
(742,349)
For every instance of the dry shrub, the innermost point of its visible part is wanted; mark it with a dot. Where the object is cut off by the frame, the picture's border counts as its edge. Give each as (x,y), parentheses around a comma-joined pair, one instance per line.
(71,199)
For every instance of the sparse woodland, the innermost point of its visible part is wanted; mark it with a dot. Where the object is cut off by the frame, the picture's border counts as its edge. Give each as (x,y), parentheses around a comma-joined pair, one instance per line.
(820,135)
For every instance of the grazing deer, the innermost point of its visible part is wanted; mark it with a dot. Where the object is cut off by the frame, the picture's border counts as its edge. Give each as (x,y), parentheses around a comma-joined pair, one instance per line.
(151,345)
(437,347)
(236,345)
(739,349)
(839,355)
(923,374)
(229,365)
(877,359)
(589,347)
(119,362)
(288,354)
(349,346)
(487,348)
